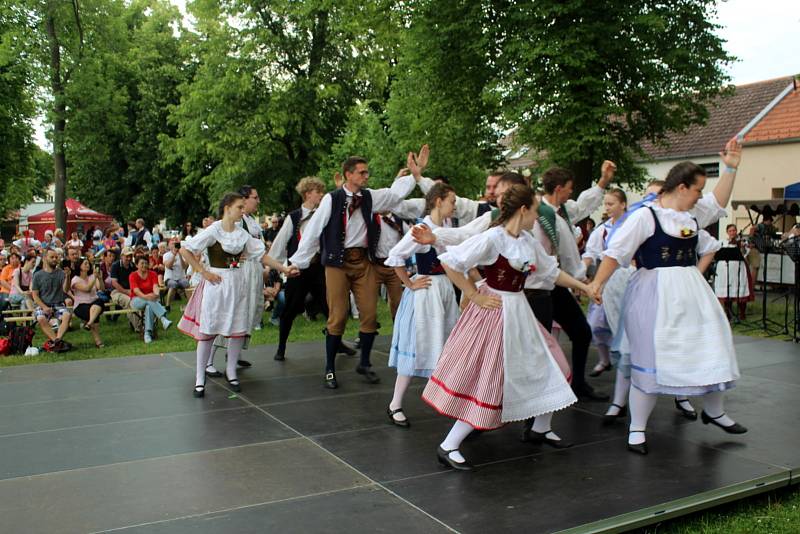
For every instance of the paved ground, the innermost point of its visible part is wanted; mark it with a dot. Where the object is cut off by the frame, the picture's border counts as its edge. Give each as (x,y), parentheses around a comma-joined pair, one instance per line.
(121,444)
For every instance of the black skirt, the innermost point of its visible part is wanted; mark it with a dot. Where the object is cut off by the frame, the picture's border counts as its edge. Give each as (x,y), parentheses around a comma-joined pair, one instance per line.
(82,310)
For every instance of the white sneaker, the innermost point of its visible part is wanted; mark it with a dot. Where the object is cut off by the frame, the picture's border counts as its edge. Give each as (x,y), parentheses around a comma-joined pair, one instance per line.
(148,338)
(166,323)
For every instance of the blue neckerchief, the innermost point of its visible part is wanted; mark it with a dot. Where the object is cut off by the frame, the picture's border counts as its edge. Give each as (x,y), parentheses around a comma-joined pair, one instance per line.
(650,197)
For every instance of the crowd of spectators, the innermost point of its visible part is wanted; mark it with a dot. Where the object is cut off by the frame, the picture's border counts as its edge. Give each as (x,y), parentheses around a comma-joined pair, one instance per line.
(84,274)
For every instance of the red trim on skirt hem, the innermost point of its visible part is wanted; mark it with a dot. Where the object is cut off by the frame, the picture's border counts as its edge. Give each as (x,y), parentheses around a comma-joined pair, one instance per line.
(463,396)
(473,425)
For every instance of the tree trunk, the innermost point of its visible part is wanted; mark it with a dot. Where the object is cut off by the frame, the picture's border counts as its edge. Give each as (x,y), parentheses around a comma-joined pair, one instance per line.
(59,126)
(584,175)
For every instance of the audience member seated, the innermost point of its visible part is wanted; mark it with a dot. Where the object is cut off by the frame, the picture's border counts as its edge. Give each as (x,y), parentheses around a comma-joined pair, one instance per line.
(145,296)
(88,307)
(6,279)
(174,271)
(49,291)
(27,242)
(120,282)
(21,283)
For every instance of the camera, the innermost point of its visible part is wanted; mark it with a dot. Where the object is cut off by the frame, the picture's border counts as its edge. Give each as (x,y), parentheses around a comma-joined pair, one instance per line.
(178,245)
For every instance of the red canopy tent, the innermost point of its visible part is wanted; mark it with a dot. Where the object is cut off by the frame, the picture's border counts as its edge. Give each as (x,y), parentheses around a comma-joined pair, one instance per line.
(79,218)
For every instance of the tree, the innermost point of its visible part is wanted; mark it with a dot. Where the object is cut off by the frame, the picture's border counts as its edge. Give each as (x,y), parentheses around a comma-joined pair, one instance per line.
(588,81)
(440,95)
(17,108)
(274,86)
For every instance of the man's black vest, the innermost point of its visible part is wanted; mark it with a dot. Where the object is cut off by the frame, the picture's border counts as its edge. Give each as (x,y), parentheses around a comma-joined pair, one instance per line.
(484,207)
(294,240)
(332,239)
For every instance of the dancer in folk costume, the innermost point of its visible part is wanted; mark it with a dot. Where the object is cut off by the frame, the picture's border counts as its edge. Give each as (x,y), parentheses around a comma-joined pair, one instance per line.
(494,367)
(218,304)
(344,232)
(680,340)
(254,271)
(428,310)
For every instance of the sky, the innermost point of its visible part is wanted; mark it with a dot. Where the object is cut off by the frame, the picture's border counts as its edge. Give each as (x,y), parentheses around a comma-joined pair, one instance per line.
(763,34)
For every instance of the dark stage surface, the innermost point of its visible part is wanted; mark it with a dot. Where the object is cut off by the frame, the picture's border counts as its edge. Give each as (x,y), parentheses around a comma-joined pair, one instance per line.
(121,444)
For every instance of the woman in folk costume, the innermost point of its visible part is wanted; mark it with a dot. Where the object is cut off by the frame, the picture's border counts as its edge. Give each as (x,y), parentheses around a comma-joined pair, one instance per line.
(615,202)
(680,340)
(216,307)
(733,280)
(428,310)
(494,367)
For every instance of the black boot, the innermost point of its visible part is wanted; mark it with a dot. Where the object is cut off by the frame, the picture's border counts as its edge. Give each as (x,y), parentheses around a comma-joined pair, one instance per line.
(331,347)
(365,366)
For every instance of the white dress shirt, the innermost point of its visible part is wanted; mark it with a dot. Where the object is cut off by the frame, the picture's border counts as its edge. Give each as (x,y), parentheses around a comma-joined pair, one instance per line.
(355,226)
(280,245)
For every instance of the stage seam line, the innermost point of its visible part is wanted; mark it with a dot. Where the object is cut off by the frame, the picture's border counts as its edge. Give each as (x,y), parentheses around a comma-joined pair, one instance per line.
(337,395)
(342,461)
(92,425)
(233,509)
(124,462)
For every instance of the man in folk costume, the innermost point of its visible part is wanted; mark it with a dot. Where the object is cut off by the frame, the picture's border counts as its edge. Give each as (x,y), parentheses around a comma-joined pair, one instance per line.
(312,279)
(343,231)
(557,213)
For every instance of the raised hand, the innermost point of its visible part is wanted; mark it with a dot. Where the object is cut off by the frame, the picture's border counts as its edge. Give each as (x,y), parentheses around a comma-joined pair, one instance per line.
(422,157)
(338,180)
(411,163)
(732,153)
(403,172)
(607,171)
(423,235)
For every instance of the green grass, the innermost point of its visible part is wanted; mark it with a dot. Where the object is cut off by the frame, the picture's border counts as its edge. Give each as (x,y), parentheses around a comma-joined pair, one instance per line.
(121,341)
(775,312)
(774,512)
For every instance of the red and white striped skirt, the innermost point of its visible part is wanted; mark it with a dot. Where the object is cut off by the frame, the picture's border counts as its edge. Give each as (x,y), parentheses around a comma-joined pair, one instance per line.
(468,381)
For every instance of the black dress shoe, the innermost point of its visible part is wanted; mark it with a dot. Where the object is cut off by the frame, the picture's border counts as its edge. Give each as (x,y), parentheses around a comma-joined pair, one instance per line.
(244,363)
(541,437)
(279,356)
(688,414)
(639,448)
(369,374)
(444,459)
(213,374)
(585,392)
(596,372)
(330,381)
(345,348)
(735,428)
(199,391)
(234,384)
(526,430)
(611,419)
(403,424)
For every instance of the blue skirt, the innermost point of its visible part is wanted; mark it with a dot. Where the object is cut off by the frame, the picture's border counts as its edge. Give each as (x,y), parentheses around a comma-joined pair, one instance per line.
(404,339)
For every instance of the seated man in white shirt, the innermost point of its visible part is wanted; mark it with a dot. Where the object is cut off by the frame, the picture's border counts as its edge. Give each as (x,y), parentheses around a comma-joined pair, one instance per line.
(175,276)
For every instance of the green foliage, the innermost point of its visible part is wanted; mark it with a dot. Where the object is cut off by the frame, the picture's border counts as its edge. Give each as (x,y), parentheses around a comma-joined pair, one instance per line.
(440,94)
(588,81)
(274,85)
(17,151)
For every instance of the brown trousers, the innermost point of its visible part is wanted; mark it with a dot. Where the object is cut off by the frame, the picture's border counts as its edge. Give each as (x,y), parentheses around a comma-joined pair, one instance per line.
(394,287)
(357,275)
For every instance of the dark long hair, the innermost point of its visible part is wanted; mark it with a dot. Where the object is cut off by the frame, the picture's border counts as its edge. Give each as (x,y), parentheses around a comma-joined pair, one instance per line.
(685,173)
(226,201)
(514,198)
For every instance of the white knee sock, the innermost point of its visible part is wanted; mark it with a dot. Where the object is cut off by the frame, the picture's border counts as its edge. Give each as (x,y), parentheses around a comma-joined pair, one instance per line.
(642,406)
(235,345)
(211,358)
(542,424)
(457,434)
(605,359)
(203,353)
(713,406)
(621,387)
(400,388)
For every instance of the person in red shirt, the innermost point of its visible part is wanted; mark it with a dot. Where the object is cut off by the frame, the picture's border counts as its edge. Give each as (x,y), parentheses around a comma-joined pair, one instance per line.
(145,296)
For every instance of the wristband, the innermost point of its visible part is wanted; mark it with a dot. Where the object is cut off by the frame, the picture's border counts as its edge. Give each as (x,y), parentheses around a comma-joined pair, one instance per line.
(731,170)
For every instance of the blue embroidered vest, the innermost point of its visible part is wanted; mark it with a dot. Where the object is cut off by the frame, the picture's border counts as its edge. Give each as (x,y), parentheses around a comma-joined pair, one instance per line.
(428,263)
(664,250)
